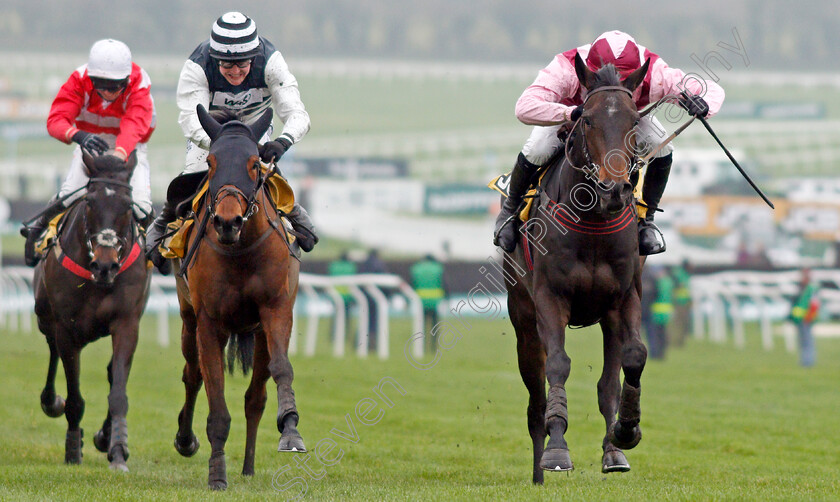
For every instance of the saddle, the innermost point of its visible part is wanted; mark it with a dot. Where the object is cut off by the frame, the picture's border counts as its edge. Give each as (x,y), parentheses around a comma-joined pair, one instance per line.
(175,246)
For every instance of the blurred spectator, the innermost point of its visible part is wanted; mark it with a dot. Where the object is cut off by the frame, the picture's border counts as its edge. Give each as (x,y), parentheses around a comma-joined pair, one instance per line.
(427,280)
(372,265)
(681,274)
(343,266)
(742,257)
(803,314)
(657,308)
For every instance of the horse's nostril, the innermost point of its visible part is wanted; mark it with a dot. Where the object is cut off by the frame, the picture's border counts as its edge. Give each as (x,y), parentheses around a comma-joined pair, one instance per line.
(237,222)
(217,221)
(94,266)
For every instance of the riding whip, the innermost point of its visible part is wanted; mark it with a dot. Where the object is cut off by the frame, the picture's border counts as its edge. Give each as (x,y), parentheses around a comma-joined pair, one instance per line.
(646,158)
(741,170)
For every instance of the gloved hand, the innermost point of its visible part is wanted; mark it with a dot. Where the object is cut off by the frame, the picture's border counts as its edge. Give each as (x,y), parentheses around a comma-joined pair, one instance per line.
(90,142)
(694,104)
(576,113)
(273,150)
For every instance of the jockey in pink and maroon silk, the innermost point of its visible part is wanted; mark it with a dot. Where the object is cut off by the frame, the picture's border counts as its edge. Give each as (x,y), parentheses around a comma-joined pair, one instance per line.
(556,98)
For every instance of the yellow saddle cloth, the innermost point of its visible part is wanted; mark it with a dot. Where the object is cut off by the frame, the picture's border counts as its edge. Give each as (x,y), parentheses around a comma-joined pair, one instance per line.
(175,247)
(49,235)
(502,182)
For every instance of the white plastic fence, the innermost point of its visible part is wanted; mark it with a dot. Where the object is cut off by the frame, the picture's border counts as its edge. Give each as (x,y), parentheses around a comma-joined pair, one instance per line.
(725,299)
(318,298)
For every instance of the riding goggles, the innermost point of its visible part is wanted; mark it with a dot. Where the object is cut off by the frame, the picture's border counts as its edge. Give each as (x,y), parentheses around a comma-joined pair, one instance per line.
(108,85)
(242,63)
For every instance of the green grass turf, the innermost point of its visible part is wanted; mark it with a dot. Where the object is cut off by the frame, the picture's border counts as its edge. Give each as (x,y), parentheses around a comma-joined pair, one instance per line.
(719,424)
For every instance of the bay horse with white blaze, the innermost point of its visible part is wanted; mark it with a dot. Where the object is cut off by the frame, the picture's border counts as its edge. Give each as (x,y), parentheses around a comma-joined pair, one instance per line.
(94,282)
(241,286)
(578,264)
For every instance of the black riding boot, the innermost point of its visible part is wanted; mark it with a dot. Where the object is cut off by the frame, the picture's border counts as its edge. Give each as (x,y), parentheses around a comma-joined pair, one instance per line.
(33,231)
(302,224)
(154,234)
(651,240)
(507,222)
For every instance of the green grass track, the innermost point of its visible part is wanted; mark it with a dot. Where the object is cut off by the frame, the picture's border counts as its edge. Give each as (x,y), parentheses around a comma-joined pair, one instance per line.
(719,424)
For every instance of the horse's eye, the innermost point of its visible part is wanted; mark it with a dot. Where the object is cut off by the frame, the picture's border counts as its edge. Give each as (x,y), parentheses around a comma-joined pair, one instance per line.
(587,122)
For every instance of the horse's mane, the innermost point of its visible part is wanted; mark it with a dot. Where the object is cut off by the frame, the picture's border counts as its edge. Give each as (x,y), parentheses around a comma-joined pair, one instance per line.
(107,166)
(606,75)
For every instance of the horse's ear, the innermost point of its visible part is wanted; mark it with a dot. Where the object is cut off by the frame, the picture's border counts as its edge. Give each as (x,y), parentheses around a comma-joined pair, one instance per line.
(87,163)
(262,124)
(131,161)
(210,125)
(637,77)
(585,76)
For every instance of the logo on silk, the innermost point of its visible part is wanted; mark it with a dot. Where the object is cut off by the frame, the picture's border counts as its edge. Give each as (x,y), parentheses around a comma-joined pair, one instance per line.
(237,101)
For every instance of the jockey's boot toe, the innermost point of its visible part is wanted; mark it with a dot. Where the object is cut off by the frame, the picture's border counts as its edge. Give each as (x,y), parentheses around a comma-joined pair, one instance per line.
(163,265)
(505,235)
(505,238)
(306,239)
(304,228)
(30,255)
(651,240)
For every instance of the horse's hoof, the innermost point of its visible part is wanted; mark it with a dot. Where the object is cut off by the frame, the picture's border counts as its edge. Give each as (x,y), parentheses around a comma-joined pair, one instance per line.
(73,447)
(614,461)
(218,485)
(186,448)
(556,460)
(624,439)
(54,410)
(101,440)
(118,466)
(291,441)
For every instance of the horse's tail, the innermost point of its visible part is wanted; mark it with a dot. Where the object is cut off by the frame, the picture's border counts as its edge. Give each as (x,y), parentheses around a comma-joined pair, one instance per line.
(241,348)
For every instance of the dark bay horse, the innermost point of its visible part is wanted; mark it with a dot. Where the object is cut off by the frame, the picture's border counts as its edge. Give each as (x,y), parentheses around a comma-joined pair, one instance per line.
(242,281)
(579,264)
(93,283)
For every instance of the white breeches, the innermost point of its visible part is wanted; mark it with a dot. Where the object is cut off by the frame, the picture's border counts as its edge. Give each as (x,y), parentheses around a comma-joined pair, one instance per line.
(543,141)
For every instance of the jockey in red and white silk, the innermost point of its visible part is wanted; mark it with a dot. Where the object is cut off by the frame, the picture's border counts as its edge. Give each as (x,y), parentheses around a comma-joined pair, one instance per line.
(126,123)
(130,118)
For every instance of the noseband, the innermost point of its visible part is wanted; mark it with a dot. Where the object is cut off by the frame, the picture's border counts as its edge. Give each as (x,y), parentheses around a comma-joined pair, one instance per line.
(251,205)
(589,167)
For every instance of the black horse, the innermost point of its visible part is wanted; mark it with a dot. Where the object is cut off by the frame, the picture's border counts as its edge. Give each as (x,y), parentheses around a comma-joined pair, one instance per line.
(94,282)
(579,264)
